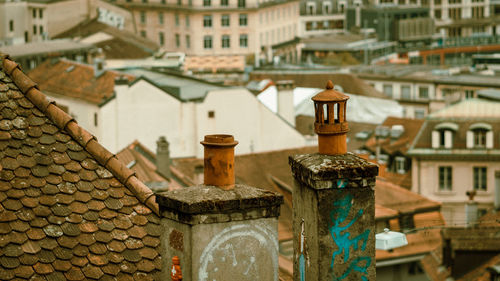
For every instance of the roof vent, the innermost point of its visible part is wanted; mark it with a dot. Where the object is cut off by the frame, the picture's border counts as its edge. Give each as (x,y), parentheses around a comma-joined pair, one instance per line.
(397,131)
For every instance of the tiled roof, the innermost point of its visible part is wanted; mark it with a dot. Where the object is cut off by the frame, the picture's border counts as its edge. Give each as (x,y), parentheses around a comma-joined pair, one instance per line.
(424,139)
(69,209)
(76,80)
(477,108)
(402,200)
(116,43)
(401,144)
(481,273)
(349,82)
(141,160)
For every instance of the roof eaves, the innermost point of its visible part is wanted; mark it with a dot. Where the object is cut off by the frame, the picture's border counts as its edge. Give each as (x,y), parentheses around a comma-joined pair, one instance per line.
(65,122)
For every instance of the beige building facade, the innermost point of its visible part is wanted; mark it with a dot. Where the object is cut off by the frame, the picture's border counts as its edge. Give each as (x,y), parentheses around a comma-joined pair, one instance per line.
(215,27)
(457,151)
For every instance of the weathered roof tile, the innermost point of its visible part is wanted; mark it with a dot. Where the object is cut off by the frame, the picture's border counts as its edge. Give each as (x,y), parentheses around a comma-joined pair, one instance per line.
(63,214)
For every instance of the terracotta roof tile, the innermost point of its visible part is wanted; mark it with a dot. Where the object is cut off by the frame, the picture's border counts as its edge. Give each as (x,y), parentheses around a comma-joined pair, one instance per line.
(64,199)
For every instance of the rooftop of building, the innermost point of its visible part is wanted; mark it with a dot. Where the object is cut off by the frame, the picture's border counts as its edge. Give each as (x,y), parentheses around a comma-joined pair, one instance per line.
(69,208)
(115,43)
(44,47)
(76,80)
(396,142)
(183,87)
(425,73)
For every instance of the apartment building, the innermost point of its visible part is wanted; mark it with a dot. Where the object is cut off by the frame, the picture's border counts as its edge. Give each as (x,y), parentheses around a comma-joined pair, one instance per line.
(215,27)
(462,18)
(318,17)
(424,89)
(457,151)
(22,21)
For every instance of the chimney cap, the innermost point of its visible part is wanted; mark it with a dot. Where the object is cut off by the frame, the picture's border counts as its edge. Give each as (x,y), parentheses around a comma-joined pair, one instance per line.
(330,95)
(219,140)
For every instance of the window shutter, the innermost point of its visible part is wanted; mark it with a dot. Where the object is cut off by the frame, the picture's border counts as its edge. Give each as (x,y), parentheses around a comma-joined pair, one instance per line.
(489,139)
(435,139)
(448,139)
(470,139)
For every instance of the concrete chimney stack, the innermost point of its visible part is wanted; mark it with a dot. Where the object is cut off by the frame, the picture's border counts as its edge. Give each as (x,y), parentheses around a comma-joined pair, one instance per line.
(163,160)
(330,121)
(219,161)
(285,100)
(220,230)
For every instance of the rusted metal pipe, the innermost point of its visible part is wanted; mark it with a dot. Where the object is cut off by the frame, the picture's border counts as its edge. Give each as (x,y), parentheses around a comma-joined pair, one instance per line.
(219,161)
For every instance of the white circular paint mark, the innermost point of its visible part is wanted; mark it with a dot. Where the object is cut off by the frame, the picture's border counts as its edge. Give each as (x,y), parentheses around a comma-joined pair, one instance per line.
(265,236)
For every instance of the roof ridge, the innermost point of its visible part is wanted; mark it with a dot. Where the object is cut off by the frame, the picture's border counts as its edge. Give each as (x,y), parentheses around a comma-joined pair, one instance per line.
(66,123)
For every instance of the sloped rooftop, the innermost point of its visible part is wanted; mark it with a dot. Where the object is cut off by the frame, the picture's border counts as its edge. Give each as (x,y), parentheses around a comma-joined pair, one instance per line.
(69,210)
(76,80)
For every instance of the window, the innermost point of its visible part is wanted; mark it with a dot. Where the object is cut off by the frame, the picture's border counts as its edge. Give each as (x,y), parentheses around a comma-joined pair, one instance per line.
(207,3)
(160,18)
(211,114)
(242,4)
(478,12)
(243,19)
(34,13)
(177,21)
(479,137)
(40,13)
(207,42)
(405,92)
(34,29)
(469,94)
(400,164)
(445,178)
(177,40)
(419,113)
(143,17)
(455,13)
(188,41)
(224,2)
(437,14)
(224,21)
(95,119)
(327,7)
(226,41)
(143,33)
(480,178)
(423,92)
(161,37)
(144,1)
(243,40)
(11,25)
(207,21)
(187,21)
(388,90)
(310,8)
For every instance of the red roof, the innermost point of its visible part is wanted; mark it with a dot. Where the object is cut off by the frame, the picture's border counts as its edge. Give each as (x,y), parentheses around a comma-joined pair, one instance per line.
(76,80)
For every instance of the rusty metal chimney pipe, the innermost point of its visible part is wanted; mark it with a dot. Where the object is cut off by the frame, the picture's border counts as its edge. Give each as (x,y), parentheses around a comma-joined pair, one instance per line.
(219,161)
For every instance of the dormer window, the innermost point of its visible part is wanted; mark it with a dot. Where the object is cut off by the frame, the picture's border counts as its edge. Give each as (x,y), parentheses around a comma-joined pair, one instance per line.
(480,135)
(442,136)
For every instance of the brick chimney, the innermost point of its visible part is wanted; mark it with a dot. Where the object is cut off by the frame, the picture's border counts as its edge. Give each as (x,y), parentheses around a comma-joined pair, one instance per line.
(330,121)
(221,230)
(163,160)
(333,202)
(285,100)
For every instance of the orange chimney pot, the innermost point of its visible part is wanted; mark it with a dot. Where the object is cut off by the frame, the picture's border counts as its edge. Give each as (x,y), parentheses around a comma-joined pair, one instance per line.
(219,161)
(330,121)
